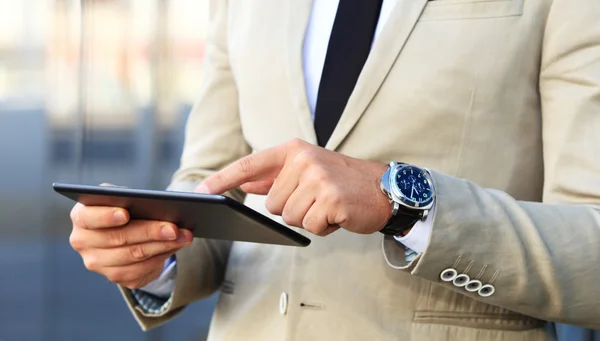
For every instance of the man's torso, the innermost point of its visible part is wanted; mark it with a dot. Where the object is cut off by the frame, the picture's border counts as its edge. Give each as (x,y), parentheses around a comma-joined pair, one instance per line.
(454,88)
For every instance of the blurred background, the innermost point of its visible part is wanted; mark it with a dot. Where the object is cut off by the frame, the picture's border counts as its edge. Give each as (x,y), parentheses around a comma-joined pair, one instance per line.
(91,91)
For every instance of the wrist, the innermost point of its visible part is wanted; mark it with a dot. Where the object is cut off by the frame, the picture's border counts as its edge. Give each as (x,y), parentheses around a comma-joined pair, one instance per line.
(386,203)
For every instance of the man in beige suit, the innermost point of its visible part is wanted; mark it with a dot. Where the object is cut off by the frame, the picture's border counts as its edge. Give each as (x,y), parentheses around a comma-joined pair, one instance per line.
(497,102)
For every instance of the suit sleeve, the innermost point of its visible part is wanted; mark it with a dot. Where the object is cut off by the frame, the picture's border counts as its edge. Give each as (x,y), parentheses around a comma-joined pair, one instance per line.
(213,139)
(541,258)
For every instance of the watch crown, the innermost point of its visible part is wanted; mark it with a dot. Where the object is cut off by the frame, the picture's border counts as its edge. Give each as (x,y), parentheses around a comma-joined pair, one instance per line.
(384,183)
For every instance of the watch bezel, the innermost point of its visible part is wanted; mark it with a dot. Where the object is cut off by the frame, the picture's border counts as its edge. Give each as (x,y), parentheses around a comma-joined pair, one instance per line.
(402,199)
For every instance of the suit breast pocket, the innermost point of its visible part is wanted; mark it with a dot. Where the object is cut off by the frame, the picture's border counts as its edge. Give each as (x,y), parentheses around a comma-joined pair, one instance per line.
(471,9)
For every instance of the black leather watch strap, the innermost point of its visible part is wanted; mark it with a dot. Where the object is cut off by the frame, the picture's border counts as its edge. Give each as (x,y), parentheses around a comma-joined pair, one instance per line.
(399,223)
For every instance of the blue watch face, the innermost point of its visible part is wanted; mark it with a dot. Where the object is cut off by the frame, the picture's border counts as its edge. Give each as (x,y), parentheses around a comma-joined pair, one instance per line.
(414,183)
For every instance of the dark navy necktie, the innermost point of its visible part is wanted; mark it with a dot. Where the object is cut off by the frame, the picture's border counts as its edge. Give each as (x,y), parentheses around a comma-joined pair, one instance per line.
(348,49)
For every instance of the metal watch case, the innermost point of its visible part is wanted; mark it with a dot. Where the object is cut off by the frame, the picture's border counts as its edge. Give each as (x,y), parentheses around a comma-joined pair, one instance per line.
(399,200)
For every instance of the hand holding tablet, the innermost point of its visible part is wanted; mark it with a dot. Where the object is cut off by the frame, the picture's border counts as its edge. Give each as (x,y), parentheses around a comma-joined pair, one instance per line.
(127,234)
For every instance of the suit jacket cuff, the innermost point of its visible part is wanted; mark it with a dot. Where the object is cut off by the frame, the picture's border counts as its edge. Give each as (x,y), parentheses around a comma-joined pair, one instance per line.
(149,304)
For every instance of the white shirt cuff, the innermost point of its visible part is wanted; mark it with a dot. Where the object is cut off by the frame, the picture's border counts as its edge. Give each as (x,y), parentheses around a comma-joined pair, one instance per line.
(162,287)
(417,239)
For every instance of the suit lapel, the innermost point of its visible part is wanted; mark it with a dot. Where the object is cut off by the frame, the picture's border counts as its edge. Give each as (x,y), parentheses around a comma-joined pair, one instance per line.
(384,52)
(298,14)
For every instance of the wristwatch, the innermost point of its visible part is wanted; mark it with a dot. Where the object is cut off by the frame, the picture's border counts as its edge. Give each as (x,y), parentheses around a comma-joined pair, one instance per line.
(411,193)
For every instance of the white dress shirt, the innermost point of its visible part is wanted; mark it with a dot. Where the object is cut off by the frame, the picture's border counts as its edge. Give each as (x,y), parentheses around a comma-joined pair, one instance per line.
(313,53)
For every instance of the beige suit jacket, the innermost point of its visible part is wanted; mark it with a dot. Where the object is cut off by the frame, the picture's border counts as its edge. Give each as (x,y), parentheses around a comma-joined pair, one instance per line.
(500,98)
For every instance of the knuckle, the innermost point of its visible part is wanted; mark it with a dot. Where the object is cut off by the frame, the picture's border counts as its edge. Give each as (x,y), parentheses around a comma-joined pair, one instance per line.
(290,218)
(304,159)
(315,224)
(77,243)
(332,195)
(310,224)
(245,164)
(116,238)
(91,263)
(300,160)
(286,218)
(137,252)
(152,231)
(272,206)
(73,214)
(216,178)
(77,218)
(296,143)
(307,222)
(318,175)
(313,228)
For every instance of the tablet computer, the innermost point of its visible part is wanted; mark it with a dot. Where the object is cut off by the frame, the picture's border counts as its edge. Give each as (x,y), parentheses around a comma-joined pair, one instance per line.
(206,215)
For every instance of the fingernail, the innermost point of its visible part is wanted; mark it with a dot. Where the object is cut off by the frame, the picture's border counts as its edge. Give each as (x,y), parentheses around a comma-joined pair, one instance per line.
(119,217)
(201,188)
(184,236)
(168,233)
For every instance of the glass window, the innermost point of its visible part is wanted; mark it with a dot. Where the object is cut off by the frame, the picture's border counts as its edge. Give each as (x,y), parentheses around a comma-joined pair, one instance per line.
(91,91)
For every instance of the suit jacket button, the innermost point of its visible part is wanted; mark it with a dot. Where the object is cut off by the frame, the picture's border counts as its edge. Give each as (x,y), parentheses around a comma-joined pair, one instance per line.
(448,275)
(486,290)
(461,280)
(283,303)
(473,285)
